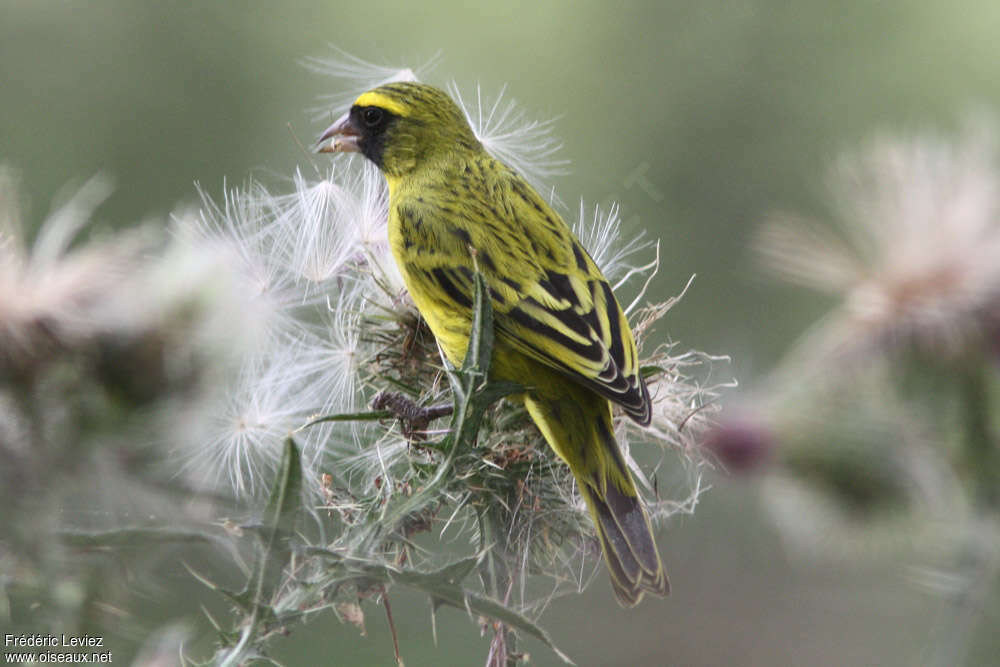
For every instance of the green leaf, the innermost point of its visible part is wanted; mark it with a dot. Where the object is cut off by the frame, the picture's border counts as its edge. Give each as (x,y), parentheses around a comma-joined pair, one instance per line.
(444,588)
(473,393)
(283,509)
(374,415)
(132,538)
(480,349)
(445,592)
(648,371)
(398,384)
(455,573)
(491,393)
(280,518)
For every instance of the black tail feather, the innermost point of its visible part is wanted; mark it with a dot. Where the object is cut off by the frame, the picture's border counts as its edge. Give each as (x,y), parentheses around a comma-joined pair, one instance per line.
(627,543)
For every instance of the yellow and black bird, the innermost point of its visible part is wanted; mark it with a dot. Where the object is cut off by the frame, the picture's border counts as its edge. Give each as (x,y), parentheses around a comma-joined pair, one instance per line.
(559,331)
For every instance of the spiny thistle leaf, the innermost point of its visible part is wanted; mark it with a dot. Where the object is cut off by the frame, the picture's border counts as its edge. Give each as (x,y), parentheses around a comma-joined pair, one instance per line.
(241,600)
(280,518)
(444,589)
(281,515)
(473,394)
(459,597)
(480,349)
(370,416)
(134,538)
(456,572)
(649,371)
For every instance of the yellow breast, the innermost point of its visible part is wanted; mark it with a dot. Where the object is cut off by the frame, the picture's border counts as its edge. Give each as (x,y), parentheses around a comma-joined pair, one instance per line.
(448,321)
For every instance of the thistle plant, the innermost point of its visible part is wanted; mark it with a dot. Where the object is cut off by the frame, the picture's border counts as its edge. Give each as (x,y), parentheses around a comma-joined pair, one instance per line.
(402,470)
(879,427)
(277,371)
(105,341)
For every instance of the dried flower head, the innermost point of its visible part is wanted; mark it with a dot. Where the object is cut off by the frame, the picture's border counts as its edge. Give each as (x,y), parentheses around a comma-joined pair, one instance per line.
(313,264)
(601,235)
(47,290)
(527,145)
(915,260)
(107,343)
(354,76)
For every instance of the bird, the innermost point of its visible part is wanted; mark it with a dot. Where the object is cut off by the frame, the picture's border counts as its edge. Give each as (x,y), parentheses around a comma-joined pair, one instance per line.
(559,331)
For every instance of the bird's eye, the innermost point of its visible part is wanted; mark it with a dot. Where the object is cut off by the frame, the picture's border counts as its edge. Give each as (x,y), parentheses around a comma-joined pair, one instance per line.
(372,116)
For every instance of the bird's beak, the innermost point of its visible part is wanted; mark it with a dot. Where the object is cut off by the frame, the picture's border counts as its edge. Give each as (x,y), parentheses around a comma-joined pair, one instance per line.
(341,137)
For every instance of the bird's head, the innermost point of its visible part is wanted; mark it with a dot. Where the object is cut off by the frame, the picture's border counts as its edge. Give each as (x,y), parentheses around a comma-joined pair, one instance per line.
(400,126)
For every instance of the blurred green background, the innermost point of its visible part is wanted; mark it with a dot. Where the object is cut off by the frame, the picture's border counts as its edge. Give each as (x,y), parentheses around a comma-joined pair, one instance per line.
(699,118)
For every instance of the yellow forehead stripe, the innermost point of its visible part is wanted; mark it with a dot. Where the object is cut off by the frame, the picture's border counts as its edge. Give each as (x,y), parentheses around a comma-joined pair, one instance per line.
(375,99)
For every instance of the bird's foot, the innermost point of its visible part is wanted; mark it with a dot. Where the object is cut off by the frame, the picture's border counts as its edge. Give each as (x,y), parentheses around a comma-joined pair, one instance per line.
(413,418)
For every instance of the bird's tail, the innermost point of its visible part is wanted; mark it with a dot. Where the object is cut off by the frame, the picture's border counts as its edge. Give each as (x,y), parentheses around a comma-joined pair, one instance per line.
(578,426)
(625,533)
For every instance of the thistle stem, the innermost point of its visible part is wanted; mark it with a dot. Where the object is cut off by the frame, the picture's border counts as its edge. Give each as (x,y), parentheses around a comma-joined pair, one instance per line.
(497,583)
(392,627)
(981,453)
